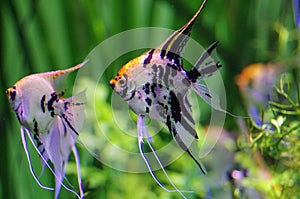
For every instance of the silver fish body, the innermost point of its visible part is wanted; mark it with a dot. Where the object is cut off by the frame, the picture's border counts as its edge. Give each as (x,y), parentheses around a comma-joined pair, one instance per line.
(51,120)
(156,84)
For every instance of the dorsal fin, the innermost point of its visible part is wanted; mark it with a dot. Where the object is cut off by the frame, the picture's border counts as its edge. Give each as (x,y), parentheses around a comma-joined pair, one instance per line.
(57,78)
(173,46)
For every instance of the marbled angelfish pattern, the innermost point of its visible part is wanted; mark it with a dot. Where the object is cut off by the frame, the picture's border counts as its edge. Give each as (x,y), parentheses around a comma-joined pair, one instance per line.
(156,84)
(53,121)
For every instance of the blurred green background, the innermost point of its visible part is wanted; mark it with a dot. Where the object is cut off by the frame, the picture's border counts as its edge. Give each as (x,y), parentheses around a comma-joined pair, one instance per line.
(44,35)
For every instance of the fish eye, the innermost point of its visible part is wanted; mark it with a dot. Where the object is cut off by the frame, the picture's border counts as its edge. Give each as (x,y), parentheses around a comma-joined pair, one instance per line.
(122,81)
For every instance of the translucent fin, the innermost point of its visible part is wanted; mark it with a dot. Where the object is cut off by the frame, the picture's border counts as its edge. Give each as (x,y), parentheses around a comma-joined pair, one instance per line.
(71,111)
(142,132)
(46,163)
(205,66)
(57,78)
(172,48)
(211,98)
(76,156)
(58,143)
(186,140)
(24,131)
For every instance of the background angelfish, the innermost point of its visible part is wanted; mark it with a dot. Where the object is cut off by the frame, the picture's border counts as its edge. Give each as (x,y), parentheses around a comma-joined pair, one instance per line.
(52,123)
(155,84)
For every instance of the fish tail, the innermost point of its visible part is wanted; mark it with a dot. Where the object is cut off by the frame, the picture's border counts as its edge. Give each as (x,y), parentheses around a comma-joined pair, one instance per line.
(71,110)
(205,67)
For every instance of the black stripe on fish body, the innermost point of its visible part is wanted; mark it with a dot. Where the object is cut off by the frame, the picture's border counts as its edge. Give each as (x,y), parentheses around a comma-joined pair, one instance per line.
(147,109)
(185,114)
(54,98)
(169,125)
(148,59)
(148,101)
(164,106)
(69,124)
(207,70)
(175,107)
(163,53)
(66,105)
(18,111)
(193,75)
(208,95)
(156,88)
(146,88)
(157,74)
(174,53)
(36,135)
(43,103)
(172,46)
(174,69)
(35,126)
(153,87)
(65,129)
(132,95)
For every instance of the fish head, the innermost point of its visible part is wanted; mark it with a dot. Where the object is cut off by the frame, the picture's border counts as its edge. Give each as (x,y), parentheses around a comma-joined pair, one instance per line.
(124,83)
(26,99)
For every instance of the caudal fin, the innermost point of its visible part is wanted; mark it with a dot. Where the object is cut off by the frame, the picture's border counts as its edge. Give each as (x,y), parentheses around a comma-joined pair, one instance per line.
(71,110)
(205,65)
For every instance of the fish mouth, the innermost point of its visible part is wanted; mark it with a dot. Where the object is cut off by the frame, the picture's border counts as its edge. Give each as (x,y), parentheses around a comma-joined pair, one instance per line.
(112,84)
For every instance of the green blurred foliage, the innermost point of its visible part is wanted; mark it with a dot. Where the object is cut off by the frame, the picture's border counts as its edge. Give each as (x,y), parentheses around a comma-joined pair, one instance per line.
(44,35)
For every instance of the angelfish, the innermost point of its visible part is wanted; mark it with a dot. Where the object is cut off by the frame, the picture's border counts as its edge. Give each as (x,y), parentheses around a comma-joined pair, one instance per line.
(51,122)
(156,85)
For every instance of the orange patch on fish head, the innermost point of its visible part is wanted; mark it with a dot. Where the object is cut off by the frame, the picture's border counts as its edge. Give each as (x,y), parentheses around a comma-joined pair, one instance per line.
(125,73)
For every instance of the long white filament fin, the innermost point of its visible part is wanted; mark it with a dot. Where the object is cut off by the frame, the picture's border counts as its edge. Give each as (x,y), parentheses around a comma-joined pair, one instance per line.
(75,152)
(46,163)
(142,131)
(211,98)
(23,136)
